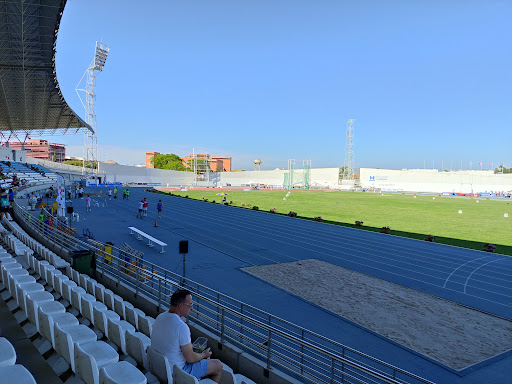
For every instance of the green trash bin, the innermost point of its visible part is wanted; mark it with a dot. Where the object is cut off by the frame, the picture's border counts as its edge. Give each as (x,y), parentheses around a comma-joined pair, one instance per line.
(83,261)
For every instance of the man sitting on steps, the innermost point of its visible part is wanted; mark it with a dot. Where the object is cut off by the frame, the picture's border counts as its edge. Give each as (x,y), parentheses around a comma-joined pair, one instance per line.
(170,336)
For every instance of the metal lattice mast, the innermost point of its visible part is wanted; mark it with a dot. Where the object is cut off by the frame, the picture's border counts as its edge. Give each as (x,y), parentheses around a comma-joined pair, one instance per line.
(90,138)
(348,170)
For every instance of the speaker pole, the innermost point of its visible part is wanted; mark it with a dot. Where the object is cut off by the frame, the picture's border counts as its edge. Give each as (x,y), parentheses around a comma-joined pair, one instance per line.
(183,248)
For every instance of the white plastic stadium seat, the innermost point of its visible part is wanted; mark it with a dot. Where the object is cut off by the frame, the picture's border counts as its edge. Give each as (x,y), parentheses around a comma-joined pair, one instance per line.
(99,307)
(101,319)
(137,344)
(76,293)
(108,298)
(16,374)
(98,292)
(14,281)
(241,379)
(132,315)
(23,289)
(9,267)
(86,303)
(121,373)
(146,325)
(7,353)
(67,286)
(48,320)
(14,274)
(58,280)
(182,377)
(32,302)
(159,365)
(119,305)
(91,283)
(91,357)
(67,337)
(117,332)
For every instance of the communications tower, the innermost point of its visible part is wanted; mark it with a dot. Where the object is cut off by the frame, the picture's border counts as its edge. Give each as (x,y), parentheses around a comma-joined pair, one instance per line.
(348,169)
(90,139)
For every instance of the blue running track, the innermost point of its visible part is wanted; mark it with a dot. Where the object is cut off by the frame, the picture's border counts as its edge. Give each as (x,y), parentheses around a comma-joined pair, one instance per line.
(225,239)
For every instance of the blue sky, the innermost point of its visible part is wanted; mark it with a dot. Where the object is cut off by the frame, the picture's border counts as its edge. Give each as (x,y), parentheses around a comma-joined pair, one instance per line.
(426,81)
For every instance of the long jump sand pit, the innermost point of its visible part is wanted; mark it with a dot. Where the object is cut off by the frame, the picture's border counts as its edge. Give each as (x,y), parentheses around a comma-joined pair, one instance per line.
(447,332)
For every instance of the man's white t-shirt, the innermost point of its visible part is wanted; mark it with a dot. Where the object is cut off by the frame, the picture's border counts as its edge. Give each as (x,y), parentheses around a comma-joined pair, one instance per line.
(168,335)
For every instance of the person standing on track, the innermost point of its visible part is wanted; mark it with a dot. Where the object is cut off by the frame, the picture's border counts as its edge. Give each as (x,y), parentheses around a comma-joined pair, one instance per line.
(141,206)
(109,194)
(88,203)
(145,207)
(127,194)
(159,207)
(115,192)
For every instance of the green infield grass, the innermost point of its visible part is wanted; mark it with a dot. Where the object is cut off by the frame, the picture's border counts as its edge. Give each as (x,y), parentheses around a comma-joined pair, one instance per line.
(416,216)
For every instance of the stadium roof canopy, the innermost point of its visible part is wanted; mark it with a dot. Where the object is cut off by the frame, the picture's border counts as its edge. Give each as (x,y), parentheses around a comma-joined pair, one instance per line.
(31,102)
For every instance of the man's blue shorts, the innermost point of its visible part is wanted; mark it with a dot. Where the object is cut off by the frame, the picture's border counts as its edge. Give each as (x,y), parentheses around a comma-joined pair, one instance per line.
(197,369)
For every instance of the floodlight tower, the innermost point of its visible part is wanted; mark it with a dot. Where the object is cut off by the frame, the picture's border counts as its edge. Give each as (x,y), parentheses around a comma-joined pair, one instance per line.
(90,139)
(348,170)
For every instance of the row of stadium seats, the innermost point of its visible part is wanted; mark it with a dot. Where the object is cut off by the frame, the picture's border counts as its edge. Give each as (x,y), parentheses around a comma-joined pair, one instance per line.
(11,372)
(126,328)
(25,172)
(92,360)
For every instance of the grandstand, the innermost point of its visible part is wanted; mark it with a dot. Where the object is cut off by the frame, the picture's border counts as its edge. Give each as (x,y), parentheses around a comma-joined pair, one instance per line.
(77,308)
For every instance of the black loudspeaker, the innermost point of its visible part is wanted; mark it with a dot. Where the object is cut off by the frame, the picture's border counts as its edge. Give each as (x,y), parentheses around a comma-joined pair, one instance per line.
(184,246)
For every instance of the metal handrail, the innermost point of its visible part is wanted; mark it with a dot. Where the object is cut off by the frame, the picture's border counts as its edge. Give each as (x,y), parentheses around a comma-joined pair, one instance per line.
(296,350)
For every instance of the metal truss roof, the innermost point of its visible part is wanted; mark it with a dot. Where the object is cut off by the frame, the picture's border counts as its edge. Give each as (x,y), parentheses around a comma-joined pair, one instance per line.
(31,102)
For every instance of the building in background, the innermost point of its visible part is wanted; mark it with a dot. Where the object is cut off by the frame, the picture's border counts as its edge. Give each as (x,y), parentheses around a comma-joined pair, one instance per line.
(223,163)
(42,149)
(149,157)
(217,163)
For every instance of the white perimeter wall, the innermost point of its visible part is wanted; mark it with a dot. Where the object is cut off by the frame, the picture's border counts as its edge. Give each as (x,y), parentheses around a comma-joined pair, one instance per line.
(420,180)
(417,180)
(248,177)
(319,177)
(129,174)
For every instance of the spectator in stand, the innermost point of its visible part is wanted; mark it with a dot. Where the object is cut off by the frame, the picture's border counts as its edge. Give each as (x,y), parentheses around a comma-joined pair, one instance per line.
(171,337)
(4,204)
(11,197)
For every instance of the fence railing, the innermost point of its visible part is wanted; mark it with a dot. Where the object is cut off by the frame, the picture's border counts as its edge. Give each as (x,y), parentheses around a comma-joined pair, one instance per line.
(300,353)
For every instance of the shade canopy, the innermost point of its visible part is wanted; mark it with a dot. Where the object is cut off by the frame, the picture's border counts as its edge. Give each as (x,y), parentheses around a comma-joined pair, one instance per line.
(31,102)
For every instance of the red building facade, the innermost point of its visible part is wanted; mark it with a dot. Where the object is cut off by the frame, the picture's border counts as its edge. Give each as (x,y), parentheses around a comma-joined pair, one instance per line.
(42,149)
